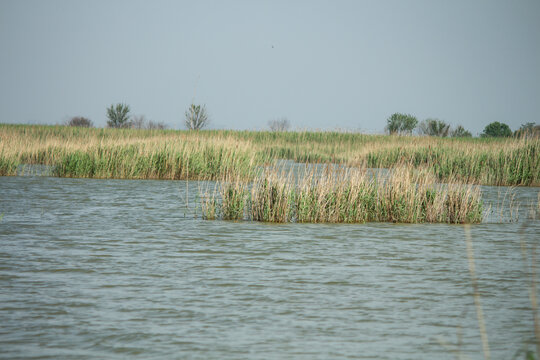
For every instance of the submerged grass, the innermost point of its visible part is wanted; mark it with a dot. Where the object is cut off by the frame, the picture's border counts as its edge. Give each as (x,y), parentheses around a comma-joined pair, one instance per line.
(344,196)
(218,154)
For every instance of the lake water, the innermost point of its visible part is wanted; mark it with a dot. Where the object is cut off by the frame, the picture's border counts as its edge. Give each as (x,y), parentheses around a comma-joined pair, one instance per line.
(128,269)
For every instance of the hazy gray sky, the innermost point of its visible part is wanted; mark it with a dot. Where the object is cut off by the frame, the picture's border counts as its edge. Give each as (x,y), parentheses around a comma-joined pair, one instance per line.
(322,64)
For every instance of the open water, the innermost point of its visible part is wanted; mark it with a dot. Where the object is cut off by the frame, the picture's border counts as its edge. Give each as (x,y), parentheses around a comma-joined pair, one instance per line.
(116,269)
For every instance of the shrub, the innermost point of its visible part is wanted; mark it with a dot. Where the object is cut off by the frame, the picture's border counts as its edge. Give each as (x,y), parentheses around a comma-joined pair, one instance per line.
(152,125)
(281,124)
(401,124)
(118,116)
(497,129)
(434,127)
(196,117)
(80,122)
(140,122)
(529,129)
(461,132)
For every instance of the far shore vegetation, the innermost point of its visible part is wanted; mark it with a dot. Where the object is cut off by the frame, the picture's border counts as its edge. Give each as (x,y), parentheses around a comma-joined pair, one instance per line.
(130,153)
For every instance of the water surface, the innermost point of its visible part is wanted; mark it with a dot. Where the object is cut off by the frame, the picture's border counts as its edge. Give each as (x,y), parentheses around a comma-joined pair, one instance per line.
(124,269)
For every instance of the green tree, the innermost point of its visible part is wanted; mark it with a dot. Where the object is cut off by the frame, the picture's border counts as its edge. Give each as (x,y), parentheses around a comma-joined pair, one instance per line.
(196,117)
(434,127)
(461,132)
(400,124)
(118,116)
(497,129)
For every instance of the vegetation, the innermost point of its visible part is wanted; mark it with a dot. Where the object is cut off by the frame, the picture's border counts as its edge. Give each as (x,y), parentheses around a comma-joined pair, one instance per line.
(80,122)
(434,127)
(401,124)
(140,122)
(169,154)
(118,116)
(529,129)
(124,153)
(345,196)
(281,124)
(196,117)
(460,132)
(497,129)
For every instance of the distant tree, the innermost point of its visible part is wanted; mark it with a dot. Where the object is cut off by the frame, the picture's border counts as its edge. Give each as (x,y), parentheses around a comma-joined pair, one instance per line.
(497,129)
(151,125)
(196,117)
(138,122)
(281,124)
(118,116)
(80,122)
(401,124)
(461,132)
(434,127)
(529,129)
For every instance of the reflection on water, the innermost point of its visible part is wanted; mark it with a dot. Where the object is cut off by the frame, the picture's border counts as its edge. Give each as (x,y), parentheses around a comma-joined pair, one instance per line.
(123,269)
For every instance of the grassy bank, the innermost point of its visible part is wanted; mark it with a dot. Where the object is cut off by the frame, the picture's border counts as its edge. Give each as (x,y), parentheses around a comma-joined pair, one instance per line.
(170,154)
(344,196)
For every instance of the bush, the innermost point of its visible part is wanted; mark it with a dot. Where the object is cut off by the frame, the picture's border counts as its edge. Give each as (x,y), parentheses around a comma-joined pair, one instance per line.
(529,129)
(196,117)
(80,122)
(461,132)
(118,116)
(281,124)
(140,122)
(497,129)
(401,124)
(434,127)
(151,125)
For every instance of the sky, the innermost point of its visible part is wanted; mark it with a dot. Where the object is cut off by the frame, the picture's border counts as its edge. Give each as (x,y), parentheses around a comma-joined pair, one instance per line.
(323,65)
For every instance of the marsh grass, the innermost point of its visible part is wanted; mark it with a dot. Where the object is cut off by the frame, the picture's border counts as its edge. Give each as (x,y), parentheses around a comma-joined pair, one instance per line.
(218,154)
(344,195)
(124,153)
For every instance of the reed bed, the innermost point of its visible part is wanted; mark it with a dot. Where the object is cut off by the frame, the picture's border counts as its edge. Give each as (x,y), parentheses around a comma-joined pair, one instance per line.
(124,153)
(344,196)
(218,154)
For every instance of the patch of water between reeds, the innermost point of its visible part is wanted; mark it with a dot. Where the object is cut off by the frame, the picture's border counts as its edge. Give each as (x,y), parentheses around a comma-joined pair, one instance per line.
(35,170)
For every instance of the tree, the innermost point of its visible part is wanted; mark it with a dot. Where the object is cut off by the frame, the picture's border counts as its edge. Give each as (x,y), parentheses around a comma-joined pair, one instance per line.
(118,116)
(497,129)
(461,132)
(281,124)
(434,127)
(138,122)
(529,129)
(196,117)
(401,124)
(79,121)
(152,125)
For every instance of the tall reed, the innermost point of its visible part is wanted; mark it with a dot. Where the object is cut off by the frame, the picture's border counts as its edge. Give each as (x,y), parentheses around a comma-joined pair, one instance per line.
(347,196)
(216,154)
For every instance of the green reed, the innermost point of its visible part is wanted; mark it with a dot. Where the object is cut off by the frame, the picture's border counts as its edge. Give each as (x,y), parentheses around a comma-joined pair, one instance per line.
(346,196)
(214,154)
